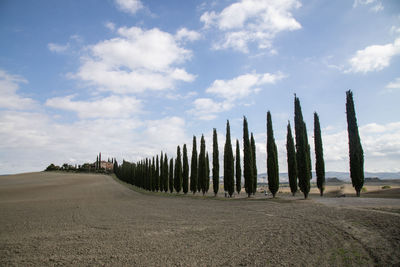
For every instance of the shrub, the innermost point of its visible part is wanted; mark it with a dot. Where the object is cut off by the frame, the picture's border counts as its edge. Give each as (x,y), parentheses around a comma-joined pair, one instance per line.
(364,189)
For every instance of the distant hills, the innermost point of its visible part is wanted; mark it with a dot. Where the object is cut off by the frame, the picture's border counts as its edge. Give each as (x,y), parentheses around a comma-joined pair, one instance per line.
(340,176)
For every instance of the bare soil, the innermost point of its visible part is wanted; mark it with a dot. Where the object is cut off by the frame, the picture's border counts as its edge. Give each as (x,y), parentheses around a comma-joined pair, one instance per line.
(84,219)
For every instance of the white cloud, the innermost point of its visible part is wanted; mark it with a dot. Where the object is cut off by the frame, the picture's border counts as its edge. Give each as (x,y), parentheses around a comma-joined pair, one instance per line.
(248,21)
(374,57)
(230,91)
(129,6)
(57,48)
(395,85)
(375,5)
(136,61)
(109,107)
(185,34)
(110,25)
(9,84)
(242,85)
(395,30)
(205,108)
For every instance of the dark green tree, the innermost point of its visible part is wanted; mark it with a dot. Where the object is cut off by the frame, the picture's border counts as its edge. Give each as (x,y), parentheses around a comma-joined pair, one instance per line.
(178,171)
(215,169)
(291,160)
(229,184)
(185,171)
(202,165)
(247,160)
(162,172)
(157,174)
(356,152)
(115,167)
(171,175)
(193,168)
(319,156)
(254,162)
(153,175)
(238,171)
(272,158)
(207,181)
(302,149)
(166,173)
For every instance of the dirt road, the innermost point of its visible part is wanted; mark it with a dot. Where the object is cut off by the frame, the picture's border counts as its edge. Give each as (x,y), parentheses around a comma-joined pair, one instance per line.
(73,219)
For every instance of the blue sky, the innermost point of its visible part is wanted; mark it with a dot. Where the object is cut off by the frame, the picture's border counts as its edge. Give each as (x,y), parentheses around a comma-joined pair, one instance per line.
(130,78)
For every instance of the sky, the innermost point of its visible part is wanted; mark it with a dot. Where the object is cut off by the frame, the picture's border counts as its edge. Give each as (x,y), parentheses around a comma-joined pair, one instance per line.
(132,78)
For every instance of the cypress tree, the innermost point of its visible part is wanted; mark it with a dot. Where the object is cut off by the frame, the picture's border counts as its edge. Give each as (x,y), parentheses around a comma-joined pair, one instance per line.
(238,172)
(229,183)
(207,181)
(247,160)
(302,149)
(319,156)
(178,171)
(166,172)
(147,177)
(157,174)
(272,158)
(291,160)
(193,168)
(185,171)
(115,167)
(96,166)
(202,165)
(153,175)
(356,152)
(171,175)
(162,172)
(215,169)
(254,162)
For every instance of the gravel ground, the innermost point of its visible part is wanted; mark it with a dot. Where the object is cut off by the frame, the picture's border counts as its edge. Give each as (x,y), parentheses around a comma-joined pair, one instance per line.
(74,219)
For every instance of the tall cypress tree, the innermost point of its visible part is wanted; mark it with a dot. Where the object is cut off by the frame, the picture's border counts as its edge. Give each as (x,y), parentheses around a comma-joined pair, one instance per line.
(247,160)
(193,168)
(171,175)
(356,152)
(207,181)
(178,171)
(153,175)
(162,172)
(185,171)
(302,149)
(215,169)
(272,158)
(202,165)
(166,173)
(228,163)
(147,177)
(319,155)
(238,171)
(157,174)
(291,160)
(254,162)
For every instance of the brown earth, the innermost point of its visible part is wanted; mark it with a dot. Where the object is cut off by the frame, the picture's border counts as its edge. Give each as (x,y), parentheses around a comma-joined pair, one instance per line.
(74,219)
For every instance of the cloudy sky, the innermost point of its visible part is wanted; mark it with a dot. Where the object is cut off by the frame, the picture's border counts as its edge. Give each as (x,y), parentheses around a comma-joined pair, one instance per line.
(130,78)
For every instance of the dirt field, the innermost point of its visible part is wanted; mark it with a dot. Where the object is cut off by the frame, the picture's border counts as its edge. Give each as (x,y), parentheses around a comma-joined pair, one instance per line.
(72,219)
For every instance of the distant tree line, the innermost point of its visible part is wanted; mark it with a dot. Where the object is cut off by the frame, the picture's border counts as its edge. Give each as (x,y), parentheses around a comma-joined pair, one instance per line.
(98,166)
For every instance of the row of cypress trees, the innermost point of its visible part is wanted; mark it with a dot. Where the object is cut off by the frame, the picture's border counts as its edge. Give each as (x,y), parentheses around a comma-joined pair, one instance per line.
(157,175)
